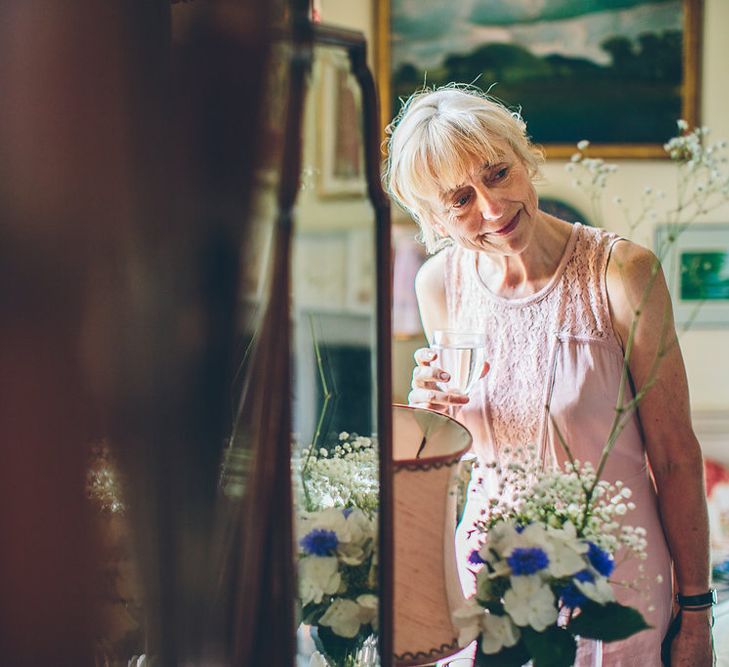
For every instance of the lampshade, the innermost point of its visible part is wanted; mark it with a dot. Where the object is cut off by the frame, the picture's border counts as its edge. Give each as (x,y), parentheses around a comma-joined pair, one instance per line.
(427,448)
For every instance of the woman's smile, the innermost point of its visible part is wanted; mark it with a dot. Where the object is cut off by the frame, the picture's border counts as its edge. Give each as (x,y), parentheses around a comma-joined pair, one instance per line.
(508,227)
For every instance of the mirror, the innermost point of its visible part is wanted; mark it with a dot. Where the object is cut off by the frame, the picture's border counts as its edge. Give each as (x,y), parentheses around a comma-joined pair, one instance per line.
(335,454)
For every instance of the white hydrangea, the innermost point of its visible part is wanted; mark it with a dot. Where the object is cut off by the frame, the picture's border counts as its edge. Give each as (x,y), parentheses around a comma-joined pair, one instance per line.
(318,576)
(498,632)
(599,591)
(344,617)
(529,601)
(565,550)
(355,531)
(467,619)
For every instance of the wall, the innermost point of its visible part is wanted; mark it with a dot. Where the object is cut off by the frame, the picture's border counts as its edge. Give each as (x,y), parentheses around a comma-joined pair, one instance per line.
(707,369)
(353,14)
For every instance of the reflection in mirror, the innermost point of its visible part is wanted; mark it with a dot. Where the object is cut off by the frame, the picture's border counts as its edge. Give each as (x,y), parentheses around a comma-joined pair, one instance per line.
(335,450)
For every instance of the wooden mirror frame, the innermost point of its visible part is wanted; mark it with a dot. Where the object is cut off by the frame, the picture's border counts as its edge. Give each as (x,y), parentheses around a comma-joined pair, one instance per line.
(307,35)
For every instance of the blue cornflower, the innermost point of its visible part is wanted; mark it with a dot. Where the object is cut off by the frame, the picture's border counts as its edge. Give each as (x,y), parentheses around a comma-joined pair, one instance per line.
(519,528)
(571,596)
(475,558)
(319,542)
(347,511)
(527,560)
(601,560)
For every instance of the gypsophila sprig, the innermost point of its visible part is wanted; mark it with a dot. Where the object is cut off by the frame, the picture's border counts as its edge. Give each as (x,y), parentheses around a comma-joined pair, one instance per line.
(702,182)
(529,494)
(590,174)
(344,475)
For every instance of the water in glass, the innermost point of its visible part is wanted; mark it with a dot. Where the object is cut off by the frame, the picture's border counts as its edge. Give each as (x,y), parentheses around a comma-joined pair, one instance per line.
(462,354)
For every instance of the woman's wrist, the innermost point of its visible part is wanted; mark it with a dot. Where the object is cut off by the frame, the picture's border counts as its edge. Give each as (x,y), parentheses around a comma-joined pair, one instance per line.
(697,620)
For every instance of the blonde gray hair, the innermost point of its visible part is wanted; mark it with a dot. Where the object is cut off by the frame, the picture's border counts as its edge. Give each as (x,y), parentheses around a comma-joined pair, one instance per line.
(434,141)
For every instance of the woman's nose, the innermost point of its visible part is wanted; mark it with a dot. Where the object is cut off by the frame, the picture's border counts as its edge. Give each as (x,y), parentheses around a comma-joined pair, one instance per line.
(491,207)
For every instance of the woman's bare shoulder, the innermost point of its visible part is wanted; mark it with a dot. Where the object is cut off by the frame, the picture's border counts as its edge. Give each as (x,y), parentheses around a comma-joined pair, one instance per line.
(635,282)
(631,265)
(430,280)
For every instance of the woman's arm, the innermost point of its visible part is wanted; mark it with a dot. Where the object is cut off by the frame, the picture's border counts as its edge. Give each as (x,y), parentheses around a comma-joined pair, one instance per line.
(635,283)
(430,290)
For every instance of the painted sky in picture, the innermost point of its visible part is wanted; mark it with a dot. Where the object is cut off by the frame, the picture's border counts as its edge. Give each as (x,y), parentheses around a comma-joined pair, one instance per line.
(426,31)
(530,48)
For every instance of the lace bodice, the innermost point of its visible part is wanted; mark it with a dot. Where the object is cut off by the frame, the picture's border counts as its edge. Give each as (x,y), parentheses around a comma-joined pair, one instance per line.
(520,331)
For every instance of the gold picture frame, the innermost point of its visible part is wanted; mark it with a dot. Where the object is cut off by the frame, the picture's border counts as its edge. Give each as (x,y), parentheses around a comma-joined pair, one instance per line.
(689,87)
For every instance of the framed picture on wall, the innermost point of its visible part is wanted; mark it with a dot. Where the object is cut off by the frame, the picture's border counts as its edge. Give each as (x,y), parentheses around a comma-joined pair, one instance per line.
(619,74)
(696,265)
(340,156)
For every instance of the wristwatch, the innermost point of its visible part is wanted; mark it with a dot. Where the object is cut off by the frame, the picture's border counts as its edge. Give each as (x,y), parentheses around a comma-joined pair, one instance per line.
(697,602)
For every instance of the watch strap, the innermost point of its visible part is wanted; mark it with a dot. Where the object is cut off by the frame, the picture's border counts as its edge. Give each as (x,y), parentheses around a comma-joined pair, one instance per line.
(702,600)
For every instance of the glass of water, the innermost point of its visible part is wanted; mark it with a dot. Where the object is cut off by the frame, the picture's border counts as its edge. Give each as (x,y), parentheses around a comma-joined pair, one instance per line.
(462,354)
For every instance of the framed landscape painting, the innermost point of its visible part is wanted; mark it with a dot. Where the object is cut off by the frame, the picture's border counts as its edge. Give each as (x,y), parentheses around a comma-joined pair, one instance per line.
(619,73)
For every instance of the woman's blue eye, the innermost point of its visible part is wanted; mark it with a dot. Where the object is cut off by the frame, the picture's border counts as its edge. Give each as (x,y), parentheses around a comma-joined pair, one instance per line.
(461,201)
(501,173)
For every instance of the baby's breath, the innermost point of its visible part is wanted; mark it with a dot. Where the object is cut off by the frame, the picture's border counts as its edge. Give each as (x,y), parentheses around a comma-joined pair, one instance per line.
(702,183)
(528,493)
(345,475)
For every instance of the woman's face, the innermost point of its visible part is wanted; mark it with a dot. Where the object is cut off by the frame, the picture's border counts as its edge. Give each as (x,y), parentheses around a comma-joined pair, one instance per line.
(494,209)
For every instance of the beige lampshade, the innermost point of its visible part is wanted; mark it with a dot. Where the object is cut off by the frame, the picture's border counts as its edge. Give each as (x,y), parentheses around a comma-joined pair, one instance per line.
(427,448)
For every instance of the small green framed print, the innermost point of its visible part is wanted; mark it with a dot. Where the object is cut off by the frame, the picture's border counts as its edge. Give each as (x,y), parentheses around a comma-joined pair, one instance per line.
(695,261)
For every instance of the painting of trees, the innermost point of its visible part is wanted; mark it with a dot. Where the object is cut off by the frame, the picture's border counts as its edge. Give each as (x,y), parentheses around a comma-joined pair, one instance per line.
(611,71)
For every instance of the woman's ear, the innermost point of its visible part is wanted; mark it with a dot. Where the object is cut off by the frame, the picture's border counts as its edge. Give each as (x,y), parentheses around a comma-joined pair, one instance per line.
(440,229)
(436,225)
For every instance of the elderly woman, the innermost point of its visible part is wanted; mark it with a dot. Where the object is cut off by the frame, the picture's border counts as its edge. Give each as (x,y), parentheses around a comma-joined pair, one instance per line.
(556,302)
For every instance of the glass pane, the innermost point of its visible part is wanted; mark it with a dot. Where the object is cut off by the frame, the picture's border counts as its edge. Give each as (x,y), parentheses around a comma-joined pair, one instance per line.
(335,460)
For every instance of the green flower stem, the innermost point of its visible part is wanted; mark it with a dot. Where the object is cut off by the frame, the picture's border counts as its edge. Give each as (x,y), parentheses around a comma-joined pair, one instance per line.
(622,411)
(328,394)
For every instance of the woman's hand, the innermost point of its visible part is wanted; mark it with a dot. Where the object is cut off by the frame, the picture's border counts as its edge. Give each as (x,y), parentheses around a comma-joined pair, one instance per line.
(425,392)
(692,646)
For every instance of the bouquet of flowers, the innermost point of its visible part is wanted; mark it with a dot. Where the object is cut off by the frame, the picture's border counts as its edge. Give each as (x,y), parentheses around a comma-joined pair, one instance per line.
(548,546)
(337,546)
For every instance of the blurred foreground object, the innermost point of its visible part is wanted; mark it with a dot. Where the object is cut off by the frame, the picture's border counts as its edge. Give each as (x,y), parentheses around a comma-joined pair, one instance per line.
(126,172)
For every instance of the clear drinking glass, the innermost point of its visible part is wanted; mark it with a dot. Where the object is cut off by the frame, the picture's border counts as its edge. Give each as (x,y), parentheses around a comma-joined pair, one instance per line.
(462,354)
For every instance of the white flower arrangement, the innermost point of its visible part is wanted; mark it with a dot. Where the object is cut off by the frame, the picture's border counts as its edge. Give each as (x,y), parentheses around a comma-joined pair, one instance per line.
(337,545)
(548,541)
(336,564)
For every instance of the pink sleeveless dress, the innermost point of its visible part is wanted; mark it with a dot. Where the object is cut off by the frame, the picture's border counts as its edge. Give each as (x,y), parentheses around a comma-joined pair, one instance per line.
(557,347)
